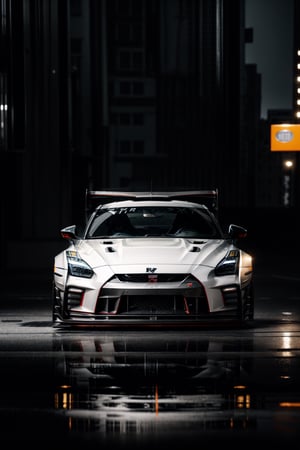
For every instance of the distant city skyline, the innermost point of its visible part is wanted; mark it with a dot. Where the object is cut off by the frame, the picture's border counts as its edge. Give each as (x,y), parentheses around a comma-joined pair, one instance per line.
(272,50)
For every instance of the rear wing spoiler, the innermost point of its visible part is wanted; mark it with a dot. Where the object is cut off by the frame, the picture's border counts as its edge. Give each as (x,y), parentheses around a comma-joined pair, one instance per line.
(208,198)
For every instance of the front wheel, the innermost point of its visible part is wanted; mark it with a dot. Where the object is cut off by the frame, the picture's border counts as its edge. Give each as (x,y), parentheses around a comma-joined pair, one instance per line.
(246,309)
(56,307)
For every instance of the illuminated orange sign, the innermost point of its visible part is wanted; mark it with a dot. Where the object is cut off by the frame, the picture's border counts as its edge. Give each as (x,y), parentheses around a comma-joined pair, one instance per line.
(285,138)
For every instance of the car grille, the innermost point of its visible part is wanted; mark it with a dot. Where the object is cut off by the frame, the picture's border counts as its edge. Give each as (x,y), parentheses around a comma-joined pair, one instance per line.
(145,277)
(152,305)
(173,295)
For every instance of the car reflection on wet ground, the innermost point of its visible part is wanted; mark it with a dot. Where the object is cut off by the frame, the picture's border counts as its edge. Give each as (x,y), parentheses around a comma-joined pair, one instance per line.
(129,389)
(138,389)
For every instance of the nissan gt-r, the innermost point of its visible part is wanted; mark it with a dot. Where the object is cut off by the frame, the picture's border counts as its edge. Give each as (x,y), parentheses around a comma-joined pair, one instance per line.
(157,258)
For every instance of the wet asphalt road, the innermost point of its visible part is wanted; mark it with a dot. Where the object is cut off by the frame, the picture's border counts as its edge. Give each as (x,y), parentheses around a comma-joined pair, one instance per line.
(92,388)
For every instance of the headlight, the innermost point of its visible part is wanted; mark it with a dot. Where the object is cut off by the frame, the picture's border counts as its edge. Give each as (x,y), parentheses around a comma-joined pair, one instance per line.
(77,266)
(228,265)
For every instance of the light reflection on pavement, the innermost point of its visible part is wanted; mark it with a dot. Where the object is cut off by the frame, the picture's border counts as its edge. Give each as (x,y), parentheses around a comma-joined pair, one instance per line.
(144,389)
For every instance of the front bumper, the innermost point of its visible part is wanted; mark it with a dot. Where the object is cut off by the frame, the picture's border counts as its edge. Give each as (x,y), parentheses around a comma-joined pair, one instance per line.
(133,301)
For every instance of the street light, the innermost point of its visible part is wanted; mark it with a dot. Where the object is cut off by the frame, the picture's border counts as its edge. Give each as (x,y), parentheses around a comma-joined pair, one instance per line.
(288,163)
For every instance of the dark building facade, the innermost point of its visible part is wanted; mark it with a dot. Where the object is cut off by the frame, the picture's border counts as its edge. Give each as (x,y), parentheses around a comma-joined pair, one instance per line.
(119,94)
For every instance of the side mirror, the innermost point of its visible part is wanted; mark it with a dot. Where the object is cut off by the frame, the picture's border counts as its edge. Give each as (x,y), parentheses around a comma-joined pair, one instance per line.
(236,232)
(69,233)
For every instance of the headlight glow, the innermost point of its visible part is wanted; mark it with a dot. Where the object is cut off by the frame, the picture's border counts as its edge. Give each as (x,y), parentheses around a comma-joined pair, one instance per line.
(77,266)
(228,265)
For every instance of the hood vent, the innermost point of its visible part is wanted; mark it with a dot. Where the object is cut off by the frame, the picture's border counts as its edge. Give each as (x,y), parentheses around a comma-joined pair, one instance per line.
(110,250)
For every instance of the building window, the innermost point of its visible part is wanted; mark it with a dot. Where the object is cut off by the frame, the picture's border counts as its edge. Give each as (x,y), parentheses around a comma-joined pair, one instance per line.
(129,8)
(138,147)
(138,119)
(137,34)
(124,147)
(124,60)
(114,118)
(124,119)
(123,32)
(126,33)
(131,88)
(131,60)
(137,60)
(138,88)
(125,88)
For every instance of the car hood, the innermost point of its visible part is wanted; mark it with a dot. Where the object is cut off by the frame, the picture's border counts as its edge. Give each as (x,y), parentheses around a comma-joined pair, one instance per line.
(164,251)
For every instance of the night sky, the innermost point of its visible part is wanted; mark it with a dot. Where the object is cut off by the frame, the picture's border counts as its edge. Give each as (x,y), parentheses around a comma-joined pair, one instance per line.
(272,50)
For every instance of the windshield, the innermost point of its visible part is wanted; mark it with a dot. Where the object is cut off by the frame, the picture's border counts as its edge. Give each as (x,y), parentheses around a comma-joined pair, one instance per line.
(153,221)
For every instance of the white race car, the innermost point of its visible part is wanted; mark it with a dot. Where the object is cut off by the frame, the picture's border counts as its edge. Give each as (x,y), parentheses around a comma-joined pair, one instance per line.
(157,258)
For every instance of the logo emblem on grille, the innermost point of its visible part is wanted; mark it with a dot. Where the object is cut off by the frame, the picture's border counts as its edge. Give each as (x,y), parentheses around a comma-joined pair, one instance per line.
(150,269)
